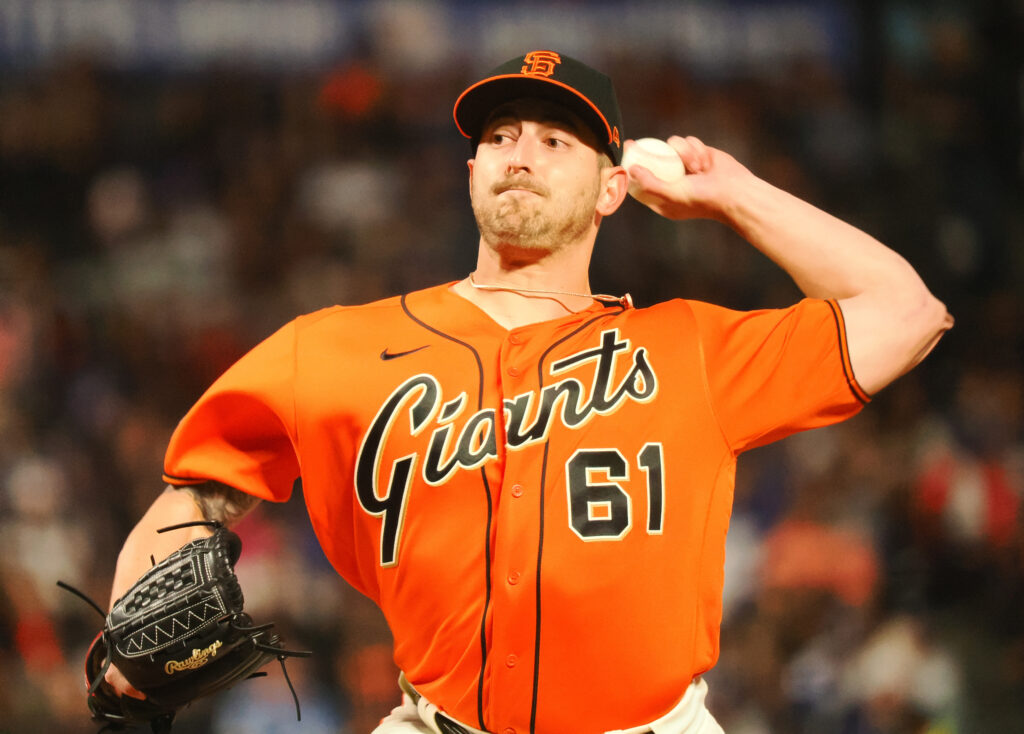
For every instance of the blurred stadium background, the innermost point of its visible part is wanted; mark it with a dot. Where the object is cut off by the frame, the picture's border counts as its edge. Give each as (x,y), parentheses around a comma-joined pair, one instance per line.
(178,178)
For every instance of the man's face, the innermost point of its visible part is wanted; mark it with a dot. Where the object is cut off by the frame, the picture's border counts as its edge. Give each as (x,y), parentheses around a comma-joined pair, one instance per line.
(536,179)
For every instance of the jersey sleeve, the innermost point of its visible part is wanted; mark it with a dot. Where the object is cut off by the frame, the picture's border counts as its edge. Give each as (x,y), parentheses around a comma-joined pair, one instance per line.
(241,432)
(771,373)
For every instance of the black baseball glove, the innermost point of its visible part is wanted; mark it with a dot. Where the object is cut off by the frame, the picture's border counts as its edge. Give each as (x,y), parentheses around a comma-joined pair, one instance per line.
(177,635)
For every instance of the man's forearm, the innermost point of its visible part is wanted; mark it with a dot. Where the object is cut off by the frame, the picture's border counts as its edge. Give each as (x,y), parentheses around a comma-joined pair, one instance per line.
(825,256)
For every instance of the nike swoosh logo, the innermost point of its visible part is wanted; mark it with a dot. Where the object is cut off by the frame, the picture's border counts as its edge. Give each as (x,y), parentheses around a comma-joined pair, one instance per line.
(385,355)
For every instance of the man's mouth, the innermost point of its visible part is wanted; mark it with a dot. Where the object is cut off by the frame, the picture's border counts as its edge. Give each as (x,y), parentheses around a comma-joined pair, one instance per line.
(529,187)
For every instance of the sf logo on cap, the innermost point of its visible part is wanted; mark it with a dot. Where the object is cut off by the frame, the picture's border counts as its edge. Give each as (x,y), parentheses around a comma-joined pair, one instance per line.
(540,63)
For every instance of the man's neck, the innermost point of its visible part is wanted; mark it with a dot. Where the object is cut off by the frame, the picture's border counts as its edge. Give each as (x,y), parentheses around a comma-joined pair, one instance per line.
(519,292)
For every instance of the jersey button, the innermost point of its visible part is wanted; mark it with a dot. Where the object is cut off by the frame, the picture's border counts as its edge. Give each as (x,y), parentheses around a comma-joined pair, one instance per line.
(508,730)
(517,490)
(513,371)
(511,661)
(513,577)
(515,339)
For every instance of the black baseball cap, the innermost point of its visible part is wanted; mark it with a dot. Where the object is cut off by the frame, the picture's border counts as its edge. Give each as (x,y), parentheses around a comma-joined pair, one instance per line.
(546,75)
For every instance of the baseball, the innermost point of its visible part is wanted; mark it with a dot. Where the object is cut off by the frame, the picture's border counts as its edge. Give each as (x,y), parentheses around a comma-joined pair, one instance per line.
(656,156)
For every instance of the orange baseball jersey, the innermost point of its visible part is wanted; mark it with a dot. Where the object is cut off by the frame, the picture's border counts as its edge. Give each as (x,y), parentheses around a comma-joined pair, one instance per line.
(540,513)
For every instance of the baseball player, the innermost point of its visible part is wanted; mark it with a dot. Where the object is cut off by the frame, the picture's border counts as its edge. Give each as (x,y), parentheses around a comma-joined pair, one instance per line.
(534,482)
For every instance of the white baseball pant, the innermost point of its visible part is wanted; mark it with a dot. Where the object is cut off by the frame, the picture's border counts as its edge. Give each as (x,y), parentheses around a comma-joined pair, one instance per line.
(690,716)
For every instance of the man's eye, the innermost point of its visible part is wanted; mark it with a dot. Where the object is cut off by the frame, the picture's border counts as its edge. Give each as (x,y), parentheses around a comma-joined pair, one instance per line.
(499,138)
(555,143)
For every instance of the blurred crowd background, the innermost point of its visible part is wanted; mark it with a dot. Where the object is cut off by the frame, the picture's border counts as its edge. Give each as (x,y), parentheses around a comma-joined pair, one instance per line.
(178,179)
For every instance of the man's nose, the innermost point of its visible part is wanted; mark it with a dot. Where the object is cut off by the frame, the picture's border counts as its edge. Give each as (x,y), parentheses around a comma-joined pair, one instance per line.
(522,157)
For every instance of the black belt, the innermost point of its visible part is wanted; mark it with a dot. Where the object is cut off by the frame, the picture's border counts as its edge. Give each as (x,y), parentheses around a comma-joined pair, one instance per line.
(445,724)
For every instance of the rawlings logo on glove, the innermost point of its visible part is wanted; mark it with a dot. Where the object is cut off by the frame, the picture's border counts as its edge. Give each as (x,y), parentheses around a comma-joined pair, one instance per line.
(198,659)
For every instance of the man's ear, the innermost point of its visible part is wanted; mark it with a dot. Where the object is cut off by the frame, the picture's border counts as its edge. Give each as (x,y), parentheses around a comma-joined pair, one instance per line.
(614,187)
(469,165)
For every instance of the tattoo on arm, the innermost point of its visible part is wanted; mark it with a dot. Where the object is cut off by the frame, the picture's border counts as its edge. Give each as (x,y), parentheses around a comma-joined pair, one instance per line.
(221,503)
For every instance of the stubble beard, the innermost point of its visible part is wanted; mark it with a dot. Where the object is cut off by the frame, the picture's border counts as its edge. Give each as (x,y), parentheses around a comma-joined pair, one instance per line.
(532,226)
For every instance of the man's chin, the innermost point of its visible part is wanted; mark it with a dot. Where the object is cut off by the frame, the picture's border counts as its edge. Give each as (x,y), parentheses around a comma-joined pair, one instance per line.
(514,246)
(516,231)
(516,240)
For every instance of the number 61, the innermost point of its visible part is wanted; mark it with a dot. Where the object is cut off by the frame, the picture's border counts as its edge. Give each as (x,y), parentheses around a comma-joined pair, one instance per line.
(603,511)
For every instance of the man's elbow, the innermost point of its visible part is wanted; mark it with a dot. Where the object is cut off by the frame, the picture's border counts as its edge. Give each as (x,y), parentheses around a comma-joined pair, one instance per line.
(888,334)
(934,318)
(927,319)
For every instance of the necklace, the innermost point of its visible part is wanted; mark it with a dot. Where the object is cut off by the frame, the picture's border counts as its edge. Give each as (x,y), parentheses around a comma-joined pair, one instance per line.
(626,301)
